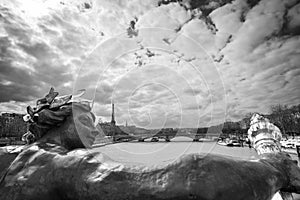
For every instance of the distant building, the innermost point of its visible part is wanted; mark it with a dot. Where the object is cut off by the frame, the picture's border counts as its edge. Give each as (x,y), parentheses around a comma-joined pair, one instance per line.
(12,126)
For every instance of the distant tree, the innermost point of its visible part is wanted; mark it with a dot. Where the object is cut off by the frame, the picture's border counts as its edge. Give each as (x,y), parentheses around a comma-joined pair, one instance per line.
(286,118)
(202,131)
(232,128)
(245,122)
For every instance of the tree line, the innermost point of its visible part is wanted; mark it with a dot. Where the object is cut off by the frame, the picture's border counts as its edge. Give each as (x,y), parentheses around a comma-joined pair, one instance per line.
(286,118)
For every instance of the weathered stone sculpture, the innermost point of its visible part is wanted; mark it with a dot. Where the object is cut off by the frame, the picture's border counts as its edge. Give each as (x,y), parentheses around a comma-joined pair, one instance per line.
(51,172)
(47,169)
(62,121)
(77,129)
(265,138)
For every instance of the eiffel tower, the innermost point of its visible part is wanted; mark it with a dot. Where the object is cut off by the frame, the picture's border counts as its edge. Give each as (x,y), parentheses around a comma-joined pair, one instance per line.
(111,129)
(113,122)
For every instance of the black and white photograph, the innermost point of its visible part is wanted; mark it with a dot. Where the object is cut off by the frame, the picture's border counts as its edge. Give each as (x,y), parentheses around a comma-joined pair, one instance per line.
(149,99)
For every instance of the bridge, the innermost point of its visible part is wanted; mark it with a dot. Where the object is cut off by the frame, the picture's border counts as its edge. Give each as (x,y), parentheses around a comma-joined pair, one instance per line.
(115,133)
(169,133)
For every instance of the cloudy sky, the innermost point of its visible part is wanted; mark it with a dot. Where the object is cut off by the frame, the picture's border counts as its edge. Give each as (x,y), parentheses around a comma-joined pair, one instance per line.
(174,64)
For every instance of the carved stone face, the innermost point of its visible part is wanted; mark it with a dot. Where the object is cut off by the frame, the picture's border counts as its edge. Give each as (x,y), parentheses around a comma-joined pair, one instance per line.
(84,124)
(78,130)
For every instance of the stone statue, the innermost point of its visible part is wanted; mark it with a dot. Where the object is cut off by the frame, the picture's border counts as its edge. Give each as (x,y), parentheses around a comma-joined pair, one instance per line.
(62,120)
(57,167)
(47,171)
(265,138)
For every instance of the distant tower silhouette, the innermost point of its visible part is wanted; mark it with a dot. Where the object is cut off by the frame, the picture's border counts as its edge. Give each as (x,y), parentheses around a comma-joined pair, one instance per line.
(113,114)
(126,123)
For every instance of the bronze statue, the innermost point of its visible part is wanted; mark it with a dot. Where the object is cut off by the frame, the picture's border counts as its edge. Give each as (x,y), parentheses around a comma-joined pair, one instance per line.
(51,172)
(58,167)
(62,120)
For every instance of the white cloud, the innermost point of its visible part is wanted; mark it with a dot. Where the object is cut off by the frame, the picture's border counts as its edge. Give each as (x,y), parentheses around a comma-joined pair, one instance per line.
(177,70)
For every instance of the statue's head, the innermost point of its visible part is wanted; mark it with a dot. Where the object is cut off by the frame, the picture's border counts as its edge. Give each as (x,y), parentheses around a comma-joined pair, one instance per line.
(84,121)
(65,120)
(256,117)
(77,130)
(264,135)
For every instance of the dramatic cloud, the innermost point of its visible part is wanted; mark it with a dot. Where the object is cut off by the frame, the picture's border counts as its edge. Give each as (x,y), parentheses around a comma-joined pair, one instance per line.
(163,63)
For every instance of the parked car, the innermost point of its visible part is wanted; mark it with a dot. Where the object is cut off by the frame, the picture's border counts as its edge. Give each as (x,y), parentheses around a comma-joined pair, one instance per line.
(154,139)
(222,143)
(234,143)
(290,143)
(298,148)
(283,143)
